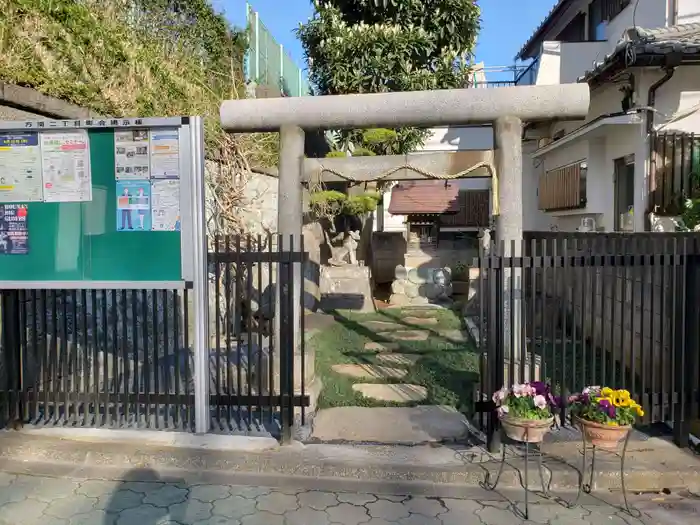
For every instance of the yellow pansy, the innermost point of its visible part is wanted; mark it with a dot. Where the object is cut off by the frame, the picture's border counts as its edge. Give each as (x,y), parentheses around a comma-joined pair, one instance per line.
(623,394)
(607,392)
(640,412)
(620,401)
(612,424)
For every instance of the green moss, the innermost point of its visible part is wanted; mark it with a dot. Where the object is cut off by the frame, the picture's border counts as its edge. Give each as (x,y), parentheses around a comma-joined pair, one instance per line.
(449,370)
(169,58)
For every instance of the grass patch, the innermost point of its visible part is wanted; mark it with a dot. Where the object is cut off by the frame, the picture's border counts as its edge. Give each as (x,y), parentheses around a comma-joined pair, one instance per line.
(447,368)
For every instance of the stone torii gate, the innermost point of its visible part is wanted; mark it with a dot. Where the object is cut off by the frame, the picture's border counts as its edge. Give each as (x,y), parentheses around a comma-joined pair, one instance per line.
(505,108)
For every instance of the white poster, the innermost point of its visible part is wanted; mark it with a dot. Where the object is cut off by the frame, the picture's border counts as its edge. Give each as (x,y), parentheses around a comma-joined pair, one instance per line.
(165,205)
(165,154)
(20,167)
(131,154)
(65,163)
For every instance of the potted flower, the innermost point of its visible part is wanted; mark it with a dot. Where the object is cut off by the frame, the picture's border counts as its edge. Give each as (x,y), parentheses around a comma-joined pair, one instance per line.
(604,415)
(526,411)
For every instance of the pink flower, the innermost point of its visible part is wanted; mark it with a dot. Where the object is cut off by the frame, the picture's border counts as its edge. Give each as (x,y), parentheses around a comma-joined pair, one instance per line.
(540,402)
(502,410)
(519,390)
(499,396)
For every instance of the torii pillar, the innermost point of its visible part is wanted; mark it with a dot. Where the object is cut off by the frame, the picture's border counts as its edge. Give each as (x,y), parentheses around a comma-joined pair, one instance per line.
(507,108)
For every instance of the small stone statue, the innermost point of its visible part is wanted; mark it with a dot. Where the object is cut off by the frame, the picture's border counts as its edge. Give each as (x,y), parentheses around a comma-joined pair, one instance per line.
(347,253)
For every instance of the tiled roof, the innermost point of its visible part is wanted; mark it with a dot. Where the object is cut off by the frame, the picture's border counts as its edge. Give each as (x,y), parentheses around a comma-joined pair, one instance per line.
(636,41)
(424,196)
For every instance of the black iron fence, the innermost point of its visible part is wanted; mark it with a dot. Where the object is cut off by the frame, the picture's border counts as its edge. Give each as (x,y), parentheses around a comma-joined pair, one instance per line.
(257,363)
(97,358)
(123,358)
(581,309)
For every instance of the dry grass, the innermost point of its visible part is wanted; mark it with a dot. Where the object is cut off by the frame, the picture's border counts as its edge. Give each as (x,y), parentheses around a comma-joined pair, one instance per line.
(99,54)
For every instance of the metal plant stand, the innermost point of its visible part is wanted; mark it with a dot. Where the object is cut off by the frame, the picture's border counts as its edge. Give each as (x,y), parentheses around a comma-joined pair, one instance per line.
(588,487)
(523,477)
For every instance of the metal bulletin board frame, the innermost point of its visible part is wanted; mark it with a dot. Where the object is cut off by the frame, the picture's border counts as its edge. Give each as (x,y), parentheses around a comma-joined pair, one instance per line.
(191,199)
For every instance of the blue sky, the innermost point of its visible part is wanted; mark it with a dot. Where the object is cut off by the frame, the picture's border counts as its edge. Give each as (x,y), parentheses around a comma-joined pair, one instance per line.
(506,24)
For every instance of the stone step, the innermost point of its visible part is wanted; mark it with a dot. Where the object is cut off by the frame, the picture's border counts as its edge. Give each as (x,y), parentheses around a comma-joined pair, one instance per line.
(399,393)
(399,359)
(405,335)
(374,346)
(369,371)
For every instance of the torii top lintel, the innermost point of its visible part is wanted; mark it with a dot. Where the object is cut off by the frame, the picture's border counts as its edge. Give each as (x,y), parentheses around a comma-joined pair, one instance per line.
(413,108)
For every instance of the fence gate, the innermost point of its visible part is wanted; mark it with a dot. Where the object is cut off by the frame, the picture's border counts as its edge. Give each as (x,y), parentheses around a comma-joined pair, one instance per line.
(256,375)
(595,309)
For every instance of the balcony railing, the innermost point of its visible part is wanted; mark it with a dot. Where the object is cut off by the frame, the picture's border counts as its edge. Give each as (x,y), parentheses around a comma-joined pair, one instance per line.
(528,76)
(494,83)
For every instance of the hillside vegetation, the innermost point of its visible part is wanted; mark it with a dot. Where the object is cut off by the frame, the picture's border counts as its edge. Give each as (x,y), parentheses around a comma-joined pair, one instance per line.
(135,58)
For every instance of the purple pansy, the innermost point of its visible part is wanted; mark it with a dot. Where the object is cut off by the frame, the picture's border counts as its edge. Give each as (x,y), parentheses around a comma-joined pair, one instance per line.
(608,407)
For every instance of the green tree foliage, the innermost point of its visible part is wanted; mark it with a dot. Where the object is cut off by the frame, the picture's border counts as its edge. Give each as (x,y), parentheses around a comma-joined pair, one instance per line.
(374,46)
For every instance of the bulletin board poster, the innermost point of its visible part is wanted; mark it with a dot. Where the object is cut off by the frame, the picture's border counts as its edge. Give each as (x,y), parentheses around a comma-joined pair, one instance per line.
(65,166)
(20,168)
(133,205)
(131,155)
(151,160)
(14,236)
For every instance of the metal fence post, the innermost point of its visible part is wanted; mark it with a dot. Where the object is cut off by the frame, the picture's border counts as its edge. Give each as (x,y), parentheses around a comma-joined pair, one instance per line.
(685,384)
(201,281)
(12,348)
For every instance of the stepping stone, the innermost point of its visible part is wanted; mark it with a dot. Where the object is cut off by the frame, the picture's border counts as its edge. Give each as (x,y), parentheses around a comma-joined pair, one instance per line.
(373,346)
(416,312)
(421,320)
(383,325)
(405,335)
(369,371)
(399,359)
(457,336)
(402,393)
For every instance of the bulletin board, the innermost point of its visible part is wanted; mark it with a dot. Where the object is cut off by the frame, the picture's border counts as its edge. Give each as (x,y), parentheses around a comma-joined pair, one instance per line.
(106,205)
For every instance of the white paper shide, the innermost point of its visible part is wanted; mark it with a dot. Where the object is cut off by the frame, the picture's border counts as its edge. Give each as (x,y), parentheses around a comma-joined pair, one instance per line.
(65,159)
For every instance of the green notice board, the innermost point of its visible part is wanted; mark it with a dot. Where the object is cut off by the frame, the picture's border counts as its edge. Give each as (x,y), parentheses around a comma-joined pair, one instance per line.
(79,241)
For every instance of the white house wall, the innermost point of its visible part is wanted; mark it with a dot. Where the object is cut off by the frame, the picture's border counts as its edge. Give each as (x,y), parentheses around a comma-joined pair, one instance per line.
(649,14)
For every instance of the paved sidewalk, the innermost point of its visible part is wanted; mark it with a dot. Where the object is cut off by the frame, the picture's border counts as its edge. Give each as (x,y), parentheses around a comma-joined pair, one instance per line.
(28,500)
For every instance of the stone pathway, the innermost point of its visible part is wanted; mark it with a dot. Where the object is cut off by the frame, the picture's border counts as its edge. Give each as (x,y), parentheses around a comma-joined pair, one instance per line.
(405,335)
(424,321)
(396,364)
(33,500)
(388,393)
(369,371)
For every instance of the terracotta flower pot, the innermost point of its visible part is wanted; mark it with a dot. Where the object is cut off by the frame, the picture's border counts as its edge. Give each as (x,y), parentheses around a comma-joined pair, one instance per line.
(526,430)
(600,435)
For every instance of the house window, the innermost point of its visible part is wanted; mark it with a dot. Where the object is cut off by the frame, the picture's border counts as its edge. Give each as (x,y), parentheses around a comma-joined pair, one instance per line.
(575,31)
(600,12)
(624,193)
(563,188)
